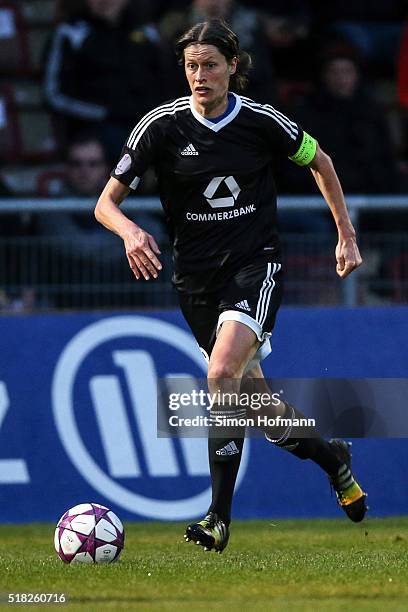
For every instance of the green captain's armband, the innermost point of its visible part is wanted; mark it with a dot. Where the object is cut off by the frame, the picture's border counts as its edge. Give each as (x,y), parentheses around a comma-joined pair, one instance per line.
(306,151)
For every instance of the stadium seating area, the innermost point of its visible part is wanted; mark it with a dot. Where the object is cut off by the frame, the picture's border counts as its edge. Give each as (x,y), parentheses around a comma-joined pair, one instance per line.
(28,139)
(298,36)
(30,132)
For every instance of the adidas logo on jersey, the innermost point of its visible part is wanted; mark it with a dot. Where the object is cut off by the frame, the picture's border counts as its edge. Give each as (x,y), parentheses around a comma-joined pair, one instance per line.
(243,305)
(189,150)
(228,449)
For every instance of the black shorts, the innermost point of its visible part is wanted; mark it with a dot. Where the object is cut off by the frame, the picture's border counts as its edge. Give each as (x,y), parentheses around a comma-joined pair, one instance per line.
(252,296)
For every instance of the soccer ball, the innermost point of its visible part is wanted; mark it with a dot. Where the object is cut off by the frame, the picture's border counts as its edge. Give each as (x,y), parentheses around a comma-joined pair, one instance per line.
(89,533)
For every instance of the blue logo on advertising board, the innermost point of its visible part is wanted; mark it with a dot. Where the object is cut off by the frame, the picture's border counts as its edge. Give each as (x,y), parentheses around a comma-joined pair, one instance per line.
(104,403)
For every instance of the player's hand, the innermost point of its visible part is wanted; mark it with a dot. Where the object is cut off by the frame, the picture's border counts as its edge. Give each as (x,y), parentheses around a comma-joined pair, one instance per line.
(141,250)
(347,255)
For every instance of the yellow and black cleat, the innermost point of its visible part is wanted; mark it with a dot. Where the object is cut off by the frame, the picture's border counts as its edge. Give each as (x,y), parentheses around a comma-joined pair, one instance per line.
(211,533)
(350,496)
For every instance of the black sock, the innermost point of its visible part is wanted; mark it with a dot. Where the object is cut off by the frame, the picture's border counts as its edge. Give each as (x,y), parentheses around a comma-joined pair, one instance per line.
(304,443)
(315,448)
(225,446)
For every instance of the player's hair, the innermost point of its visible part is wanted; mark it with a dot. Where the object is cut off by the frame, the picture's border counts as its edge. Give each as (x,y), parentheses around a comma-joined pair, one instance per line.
(217,32)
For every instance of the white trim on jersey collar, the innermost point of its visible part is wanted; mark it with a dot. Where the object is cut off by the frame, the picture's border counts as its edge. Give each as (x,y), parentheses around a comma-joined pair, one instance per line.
(216,127)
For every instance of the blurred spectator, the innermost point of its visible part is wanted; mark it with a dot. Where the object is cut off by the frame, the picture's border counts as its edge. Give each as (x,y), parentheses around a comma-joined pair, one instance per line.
(103,66)
(4,192)
(288,26)
(403,107)
(249,28)
(82,250)
(87,170)
(14,224)
(24,302)
(351,127)
(374,28)
(74,9)
(403,71)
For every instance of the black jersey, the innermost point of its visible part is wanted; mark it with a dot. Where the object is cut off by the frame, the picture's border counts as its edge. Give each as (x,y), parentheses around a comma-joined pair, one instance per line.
(216,184)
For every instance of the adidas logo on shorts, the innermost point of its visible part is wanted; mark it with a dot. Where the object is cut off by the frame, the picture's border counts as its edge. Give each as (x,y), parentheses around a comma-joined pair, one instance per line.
(189,150)
(228,449)
(243,305)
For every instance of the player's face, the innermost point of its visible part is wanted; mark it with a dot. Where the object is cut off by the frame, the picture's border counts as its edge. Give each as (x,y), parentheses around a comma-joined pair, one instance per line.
(208,74)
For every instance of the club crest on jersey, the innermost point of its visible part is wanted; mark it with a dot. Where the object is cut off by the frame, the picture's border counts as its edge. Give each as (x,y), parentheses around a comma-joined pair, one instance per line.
(189,150)
(124,164)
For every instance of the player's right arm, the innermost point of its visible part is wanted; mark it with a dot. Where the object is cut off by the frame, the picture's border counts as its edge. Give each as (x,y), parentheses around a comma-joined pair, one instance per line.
(139,152)
(141,248)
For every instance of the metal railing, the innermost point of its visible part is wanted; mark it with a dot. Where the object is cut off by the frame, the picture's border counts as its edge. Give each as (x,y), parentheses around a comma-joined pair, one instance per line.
(40,272)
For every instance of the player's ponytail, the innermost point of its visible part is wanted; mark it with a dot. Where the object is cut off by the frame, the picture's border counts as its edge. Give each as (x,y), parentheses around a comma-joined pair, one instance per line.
(216,32)
(239,80)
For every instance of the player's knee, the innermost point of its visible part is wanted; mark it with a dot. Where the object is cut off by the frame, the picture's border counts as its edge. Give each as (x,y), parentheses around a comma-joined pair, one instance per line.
(255,372)
(222,370)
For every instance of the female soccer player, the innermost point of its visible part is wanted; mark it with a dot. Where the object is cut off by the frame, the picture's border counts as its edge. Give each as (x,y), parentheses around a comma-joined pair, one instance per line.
(214,154)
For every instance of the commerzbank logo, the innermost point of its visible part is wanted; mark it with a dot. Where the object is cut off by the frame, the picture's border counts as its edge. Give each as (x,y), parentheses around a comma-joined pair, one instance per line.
(123,403)
(215,185)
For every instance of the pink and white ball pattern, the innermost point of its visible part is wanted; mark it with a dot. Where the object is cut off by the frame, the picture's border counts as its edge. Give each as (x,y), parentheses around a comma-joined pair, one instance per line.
(89,533)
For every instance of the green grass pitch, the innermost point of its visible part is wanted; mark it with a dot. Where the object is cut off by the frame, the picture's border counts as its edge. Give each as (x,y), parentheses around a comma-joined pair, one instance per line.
(274,564)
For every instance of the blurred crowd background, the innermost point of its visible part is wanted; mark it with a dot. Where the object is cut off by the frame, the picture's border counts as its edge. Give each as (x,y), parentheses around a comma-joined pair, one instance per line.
(76,75)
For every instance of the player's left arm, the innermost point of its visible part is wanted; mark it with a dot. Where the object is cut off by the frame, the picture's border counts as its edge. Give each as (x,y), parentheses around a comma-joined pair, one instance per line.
(304,150)
(347,253)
